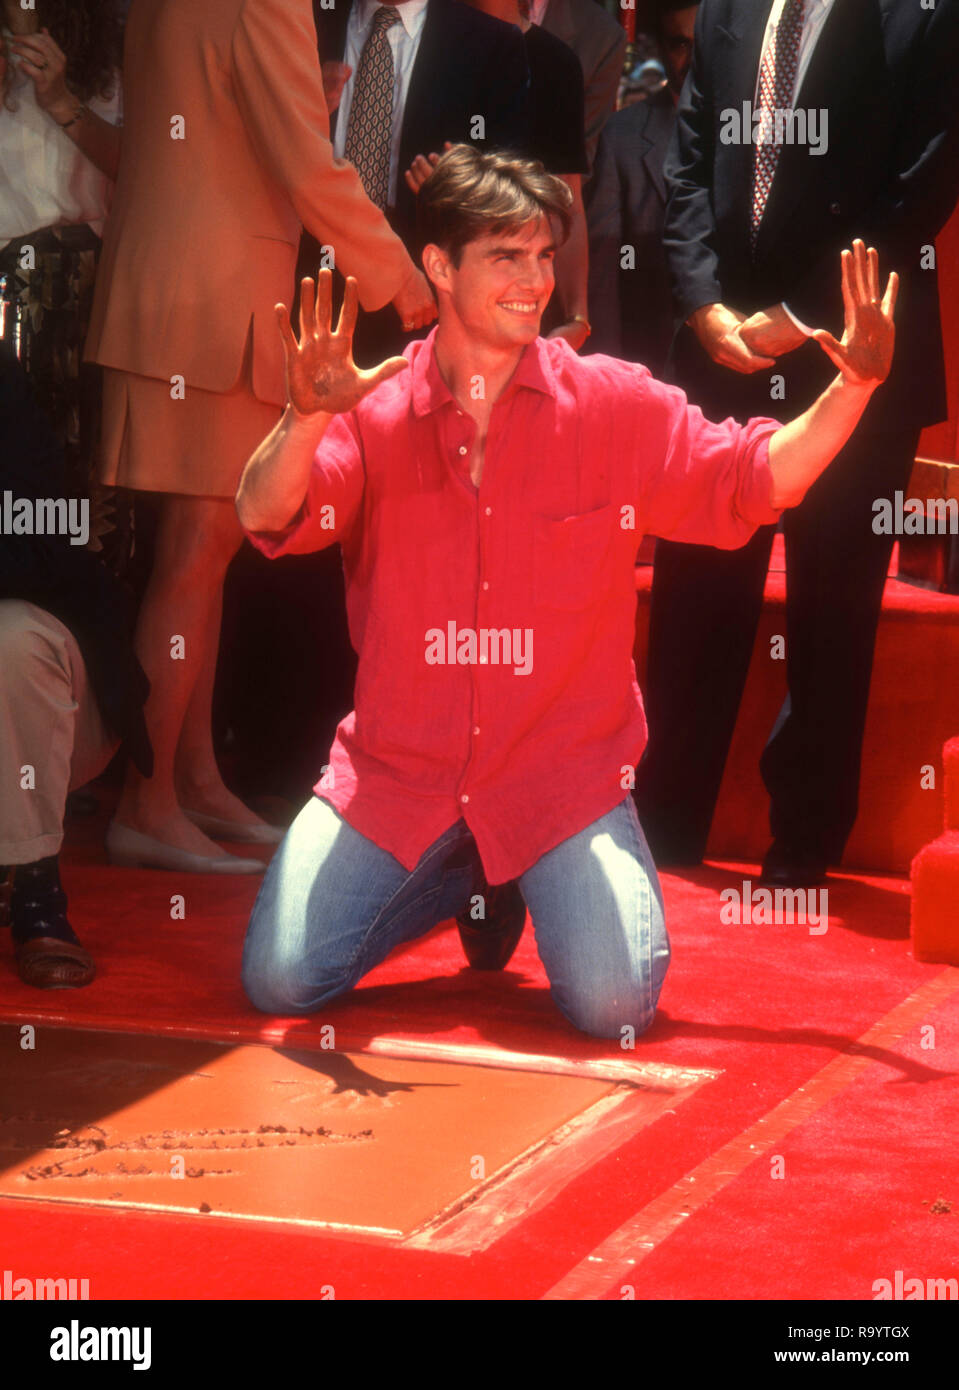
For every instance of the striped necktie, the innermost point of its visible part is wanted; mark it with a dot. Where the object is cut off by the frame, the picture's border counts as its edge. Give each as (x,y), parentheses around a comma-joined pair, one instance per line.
(777,79)
(369,134)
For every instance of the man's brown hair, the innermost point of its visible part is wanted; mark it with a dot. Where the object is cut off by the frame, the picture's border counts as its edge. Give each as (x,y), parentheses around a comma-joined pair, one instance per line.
(473,193)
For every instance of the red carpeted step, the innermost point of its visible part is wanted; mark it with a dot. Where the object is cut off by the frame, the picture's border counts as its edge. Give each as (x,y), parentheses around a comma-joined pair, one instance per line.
(950,764)
(913,710)
(935,878)
(935,900)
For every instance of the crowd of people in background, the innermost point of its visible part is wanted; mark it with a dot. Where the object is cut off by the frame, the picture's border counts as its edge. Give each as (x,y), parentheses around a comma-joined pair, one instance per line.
(140,262)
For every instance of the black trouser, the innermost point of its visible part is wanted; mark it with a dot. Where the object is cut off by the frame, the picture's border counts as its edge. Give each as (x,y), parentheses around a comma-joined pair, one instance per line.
(704,614)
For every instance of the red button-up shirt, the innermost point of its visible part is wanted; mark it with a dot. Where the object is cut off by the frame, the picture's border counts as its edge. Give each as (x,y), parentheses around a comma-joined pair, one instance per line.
(494,625)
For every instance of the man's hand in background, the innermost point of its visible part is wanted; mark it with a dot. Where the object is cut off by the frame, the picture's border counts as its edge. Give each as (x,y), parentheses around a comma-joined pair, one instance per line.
(717,328)
(771,332)
(421,168)
(415,303)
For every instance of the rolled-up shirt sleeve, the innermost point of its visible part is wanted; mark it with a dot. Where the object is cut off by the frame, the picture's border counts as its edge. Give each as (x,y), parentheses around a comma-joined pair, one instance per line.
(333,500)
(702,482)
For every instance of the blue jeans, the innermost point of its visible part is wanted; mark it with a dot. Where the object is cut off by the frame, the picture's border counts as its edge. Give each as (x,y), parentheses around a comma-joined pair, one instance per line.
(333,905)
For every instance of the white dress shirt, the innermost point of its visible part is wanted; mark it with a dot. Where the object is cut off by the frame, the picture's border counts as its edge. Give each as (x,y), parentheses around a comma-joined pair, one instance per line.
(814,17)
(404,40)
(45,181)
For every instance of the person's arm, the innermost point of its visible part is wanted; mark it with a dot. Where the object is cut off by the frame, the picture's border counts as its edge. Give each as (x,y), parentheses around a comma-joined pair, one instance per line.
(45,63)
(711,483)
(689,230)
(279,90)
(801,450)
(572,271)
(605,209)
(689,227)
(322,382)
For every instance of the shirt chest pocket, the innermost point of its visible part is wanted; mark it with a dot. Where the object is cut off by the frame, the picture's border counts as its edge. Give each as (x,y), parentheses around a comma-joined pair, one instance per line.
(574,558)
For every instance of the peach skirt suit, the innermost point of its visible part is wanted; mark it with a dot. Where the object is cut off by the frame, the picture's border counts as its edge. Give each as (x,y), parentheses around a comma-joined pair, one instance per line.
(225,157)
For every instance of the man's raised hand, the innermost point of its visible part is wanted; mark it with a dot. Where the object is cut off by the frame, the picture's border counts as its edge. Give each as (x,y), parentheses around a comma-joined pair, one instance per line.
(320,372)
(865,354)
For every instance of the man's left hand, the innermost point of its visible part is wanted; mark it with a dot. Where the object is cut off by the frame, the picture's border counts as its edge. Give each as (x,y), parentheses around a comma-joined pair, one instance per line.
(771,332)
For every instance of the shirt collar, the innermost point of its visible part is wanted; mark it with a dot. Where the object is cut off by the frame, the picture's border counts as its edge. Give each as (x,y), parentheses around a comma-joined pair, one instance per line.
(410,13)
(430,392)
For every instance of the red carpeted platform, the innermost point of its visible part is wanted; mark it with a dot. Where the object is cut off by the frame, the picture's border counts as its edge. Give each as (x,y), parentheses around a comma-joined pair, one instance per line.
(816,1042)
(913,710)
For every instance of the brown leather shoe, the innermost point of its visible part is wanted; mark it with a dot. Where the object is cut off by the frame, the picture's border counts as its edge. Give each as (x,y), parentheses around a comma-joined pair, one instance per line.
(49,956)
(46,962)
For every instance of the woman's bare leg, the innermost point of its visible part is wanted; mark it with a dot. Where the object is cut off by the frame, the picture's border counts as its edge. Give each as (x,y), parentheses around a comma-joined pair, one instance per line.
(199,785)
(196,539)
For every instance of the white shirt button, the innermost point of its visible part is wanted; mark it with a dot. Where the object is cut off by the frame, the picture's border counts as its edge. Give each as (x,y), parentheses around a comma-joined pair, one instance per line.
(483,660)
(476,731)
(463,449)
(485,583)
(464,798)
(489,511)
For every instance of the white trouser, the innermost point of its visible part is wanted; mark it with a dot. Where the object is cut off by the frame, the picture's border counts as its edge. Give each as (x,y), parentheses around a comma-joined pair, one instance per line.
(52,737)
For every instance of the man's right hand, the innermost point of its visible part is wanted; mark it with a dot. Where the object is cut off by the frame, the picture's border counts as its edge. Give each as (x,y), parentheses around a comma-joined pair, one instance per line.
(415,303)
(321,375)
(717,328)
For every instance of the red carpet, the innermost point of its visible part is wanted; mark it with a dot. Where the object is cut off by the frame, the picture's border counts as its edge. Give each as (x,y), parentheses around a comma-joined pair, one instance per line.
(768,1007)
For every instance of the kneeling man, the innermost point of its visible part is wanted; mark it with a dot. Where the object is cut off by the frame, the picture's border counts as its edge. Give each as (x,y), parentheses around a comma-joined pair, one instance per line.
(489,490)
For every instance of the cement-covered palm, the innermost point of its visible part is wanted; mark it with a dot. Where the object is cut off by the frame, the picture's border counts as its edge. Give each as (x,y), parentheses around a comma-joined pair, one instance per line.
(320,372)
(865,354)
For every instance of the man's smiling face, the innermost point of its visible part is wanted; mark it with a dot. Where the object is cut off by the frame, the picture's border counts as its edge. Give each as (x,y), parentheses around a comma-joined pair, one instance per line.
(503,284)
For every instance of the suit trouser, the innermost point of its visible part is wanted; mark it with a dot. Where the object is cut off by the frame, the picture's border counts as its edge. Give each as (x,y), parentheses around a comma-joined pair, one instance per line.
(50,723)
(705,610)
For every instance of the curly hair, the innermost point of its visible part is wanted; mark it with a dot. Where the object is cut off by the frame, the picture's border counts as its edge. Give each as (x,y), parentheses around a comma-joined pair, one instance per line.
(90,34)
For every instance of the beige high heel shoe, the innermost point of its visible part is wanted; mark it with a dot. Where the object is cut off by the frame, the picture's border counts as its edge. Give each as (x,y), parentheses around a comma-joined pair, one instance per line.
(232,830)
(135,850)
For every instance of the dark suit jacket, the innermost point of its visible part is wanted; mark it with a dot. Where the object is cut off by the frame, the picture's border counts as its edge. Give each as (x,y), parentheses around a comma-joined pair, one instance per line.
(631,311)
(885,71)
(467,64)
(66,580)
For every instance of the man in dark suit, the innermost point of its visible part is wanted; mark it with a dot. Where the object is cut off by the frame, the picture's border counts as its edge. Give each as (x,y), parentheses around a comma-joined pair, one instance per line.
(451,65)
(630,305)
(752,234)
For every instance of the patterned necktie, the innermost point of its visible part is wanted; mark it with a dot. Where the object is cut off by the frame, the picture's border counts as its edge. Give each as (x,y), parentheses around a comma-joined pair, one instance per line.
(369,134)
(777,78)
